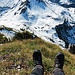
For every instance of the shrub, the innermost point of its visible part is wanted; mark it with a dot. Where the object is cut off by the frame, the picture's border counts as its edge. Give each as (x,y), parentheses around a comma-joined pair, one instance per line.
(3,39)
(23,35)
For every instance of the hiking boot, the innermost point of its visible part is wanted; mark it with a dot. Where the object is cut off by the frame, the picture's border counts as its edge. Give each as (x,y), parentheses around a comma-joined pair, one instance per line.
(59,60)
(37,57)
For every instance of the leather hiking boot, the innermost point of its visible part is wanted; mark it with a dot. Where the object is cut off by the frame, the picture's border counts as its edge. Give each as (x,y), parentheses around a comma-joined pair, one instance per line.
(37,57)
(59,60)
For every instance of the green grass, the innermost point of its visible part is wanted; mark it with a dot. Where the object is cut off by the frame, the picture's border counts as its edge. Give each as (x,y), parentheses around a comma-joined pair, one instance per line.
(20,52)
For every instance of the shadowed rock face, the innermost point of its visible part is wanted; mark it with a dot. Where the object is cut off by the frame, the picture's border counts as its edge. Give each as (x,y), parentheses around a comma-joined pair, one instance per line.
(62,31)
(66,5)
(55,1)
(72,1)
(71,48)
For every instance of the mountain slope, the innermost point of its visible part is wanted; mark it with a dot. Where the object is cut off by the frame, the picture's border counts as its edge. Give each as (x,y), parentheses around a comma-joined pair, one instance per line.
(40,17)
(19,53)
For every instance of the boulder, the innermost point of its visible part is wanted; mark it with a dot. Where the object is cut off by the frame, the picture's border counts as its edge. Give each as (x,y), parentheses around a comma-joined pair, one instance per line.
(71,48)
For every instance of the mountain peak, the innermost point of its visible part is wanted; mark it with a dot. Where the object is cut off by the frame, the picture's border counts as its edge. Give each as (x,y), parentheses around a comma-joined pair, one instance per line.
(41,17)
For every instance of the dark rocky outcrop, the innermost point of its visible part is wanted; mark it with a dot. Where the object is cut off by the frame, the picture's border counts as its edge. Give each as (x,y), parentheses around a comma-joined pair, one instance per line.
(71,48)
(62,30)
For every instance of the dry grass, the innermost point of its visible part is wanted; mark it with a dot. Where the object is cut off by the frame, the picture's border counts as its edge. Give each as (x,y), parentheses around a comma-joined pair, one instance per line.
(20,52)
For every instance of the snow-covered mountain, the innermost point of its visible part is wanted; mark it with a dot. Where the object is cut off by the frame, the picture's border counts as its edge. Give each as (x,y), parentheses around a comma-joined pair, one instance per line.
(52,20)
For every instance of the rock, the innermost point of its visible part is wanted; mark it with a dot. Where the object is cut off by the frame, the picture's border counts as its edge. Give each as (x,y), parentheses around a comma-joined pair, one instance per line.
(71,48)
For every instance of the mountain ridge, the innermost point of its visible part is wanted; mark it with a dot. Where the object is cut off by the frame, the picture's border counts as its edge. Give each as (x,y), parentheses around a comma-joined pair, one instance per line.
(41,18)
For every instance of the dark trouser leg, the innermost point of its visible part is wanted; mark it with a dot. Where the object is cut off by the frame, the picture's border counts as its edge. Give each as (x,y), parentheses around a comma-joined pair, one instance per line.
(38,70)
(58,71)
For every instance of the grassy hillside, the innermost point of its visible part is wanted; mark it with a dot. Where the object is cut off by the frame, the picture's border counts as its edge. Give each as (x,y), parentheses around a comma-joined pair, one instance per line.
(17,53)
